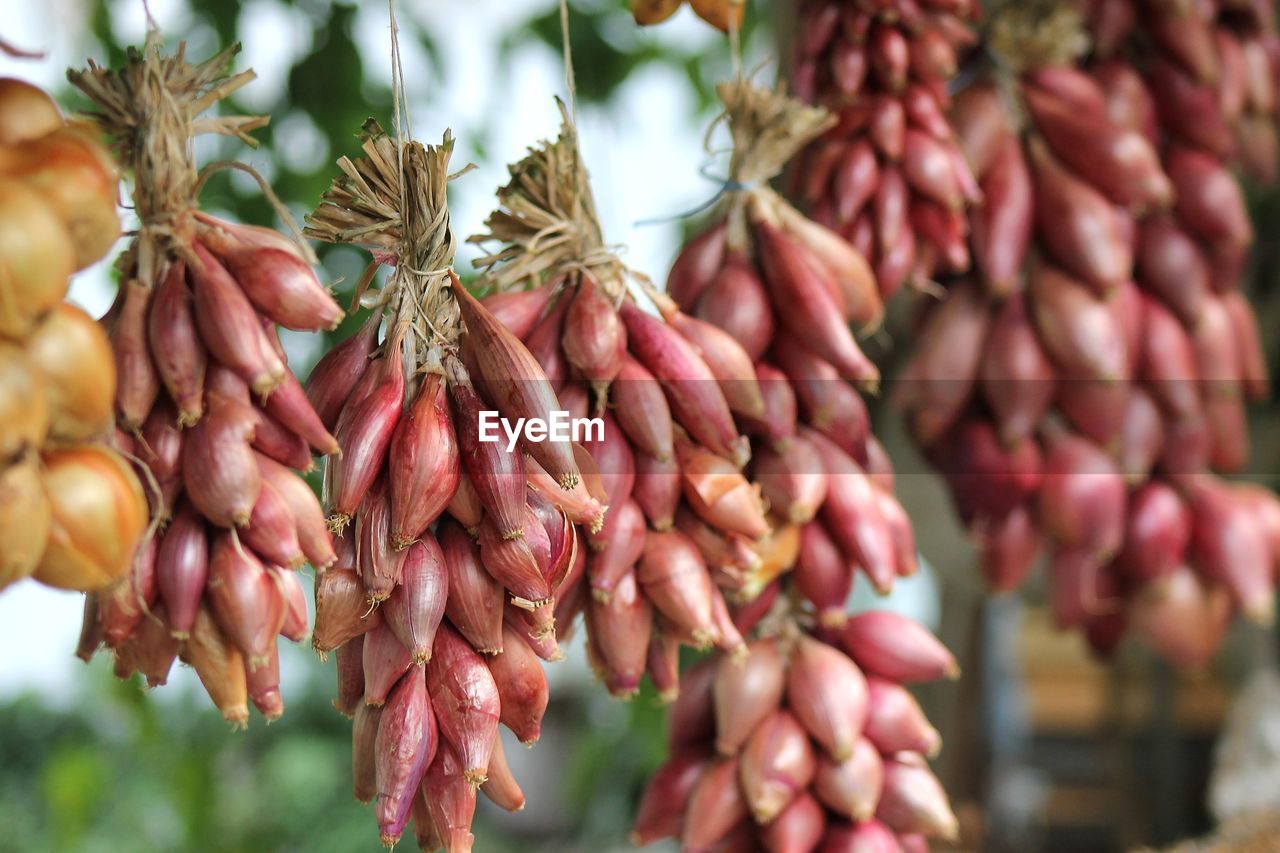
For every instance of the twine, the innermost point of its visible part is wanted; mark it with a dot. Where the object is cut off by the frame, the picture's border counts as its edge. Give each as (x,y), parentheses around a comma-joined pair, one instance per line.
(547,222)
(767,128)
(1029,34)
(735,42)
(570,82)
(546,218)
(393,201)
(727,185)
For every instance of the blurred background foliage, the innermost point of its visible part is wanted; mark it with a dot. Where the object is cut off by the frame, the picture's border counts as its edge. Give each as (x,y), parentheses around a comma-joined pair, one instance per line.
(119,770)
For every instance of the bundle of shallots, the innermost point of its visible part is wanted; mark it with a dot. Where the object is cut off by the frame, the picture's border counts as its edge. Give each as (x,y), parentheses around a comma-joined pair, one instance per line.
(786,288)
(1212,71)
(206,405)
(685,531)
(805,743)
(810,750)
(451,550)
(71,510)
(1088,407)
(888,176)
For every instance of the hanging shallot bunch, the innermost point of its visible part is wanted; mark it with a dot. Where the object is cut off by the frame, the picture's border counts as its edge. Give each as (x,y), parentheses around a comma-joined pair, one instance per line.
(889,175)
(206,404)
(805,743)
(788,289)
(808,738)
(685,531)
(1086,406)
(1211,71)
(442,598)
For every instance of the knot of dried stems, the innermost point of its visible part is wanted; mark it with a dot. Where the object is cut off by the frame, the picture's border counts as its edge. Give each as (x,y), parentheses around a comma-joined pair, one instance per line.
(1029,34)
(393,201)
(151,106)
(547,223)
(767,129)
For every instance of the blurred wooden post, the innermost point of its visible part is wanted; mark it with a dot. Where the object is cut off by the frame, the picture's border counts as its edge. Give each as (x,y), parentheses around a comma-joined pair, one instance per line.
(964,774)
(1166,772)
(1128,814)
(988,737)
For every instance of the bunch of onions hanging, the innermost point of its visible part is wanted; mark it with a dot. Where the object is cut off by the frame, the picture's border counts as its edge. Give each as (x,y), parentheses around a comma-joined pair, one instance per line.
(810,738)
(1083,393)
(71,510)
(205,403)
(443,595)
(889,175)
(804,742)
(790,289)
(687,533)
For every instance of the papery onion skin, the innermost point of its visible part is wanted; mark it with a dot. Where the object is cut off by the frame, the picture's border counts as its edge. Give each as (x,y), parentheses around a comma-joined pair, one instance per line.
(99,514)
(76,177)
(36,258)
(72,354)
(26,112)
(24,519)
(24,407)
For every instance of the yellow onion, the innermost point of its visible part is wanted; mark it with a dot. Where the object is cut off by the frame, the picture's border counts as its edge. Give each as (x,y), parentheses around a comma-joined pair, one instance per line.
(76,176)
(36,258)
(24,519)
(26,112)
(99,513)
(24,408)
(72,354)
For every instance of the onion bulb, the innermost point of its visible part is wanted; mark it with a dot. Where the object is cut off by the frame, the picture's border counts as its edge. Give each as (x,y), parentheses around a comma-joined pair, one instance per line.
(24,408)
(26,112)
(36,258)
(24,519)
(72,354)
(99,513)
(75,175)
